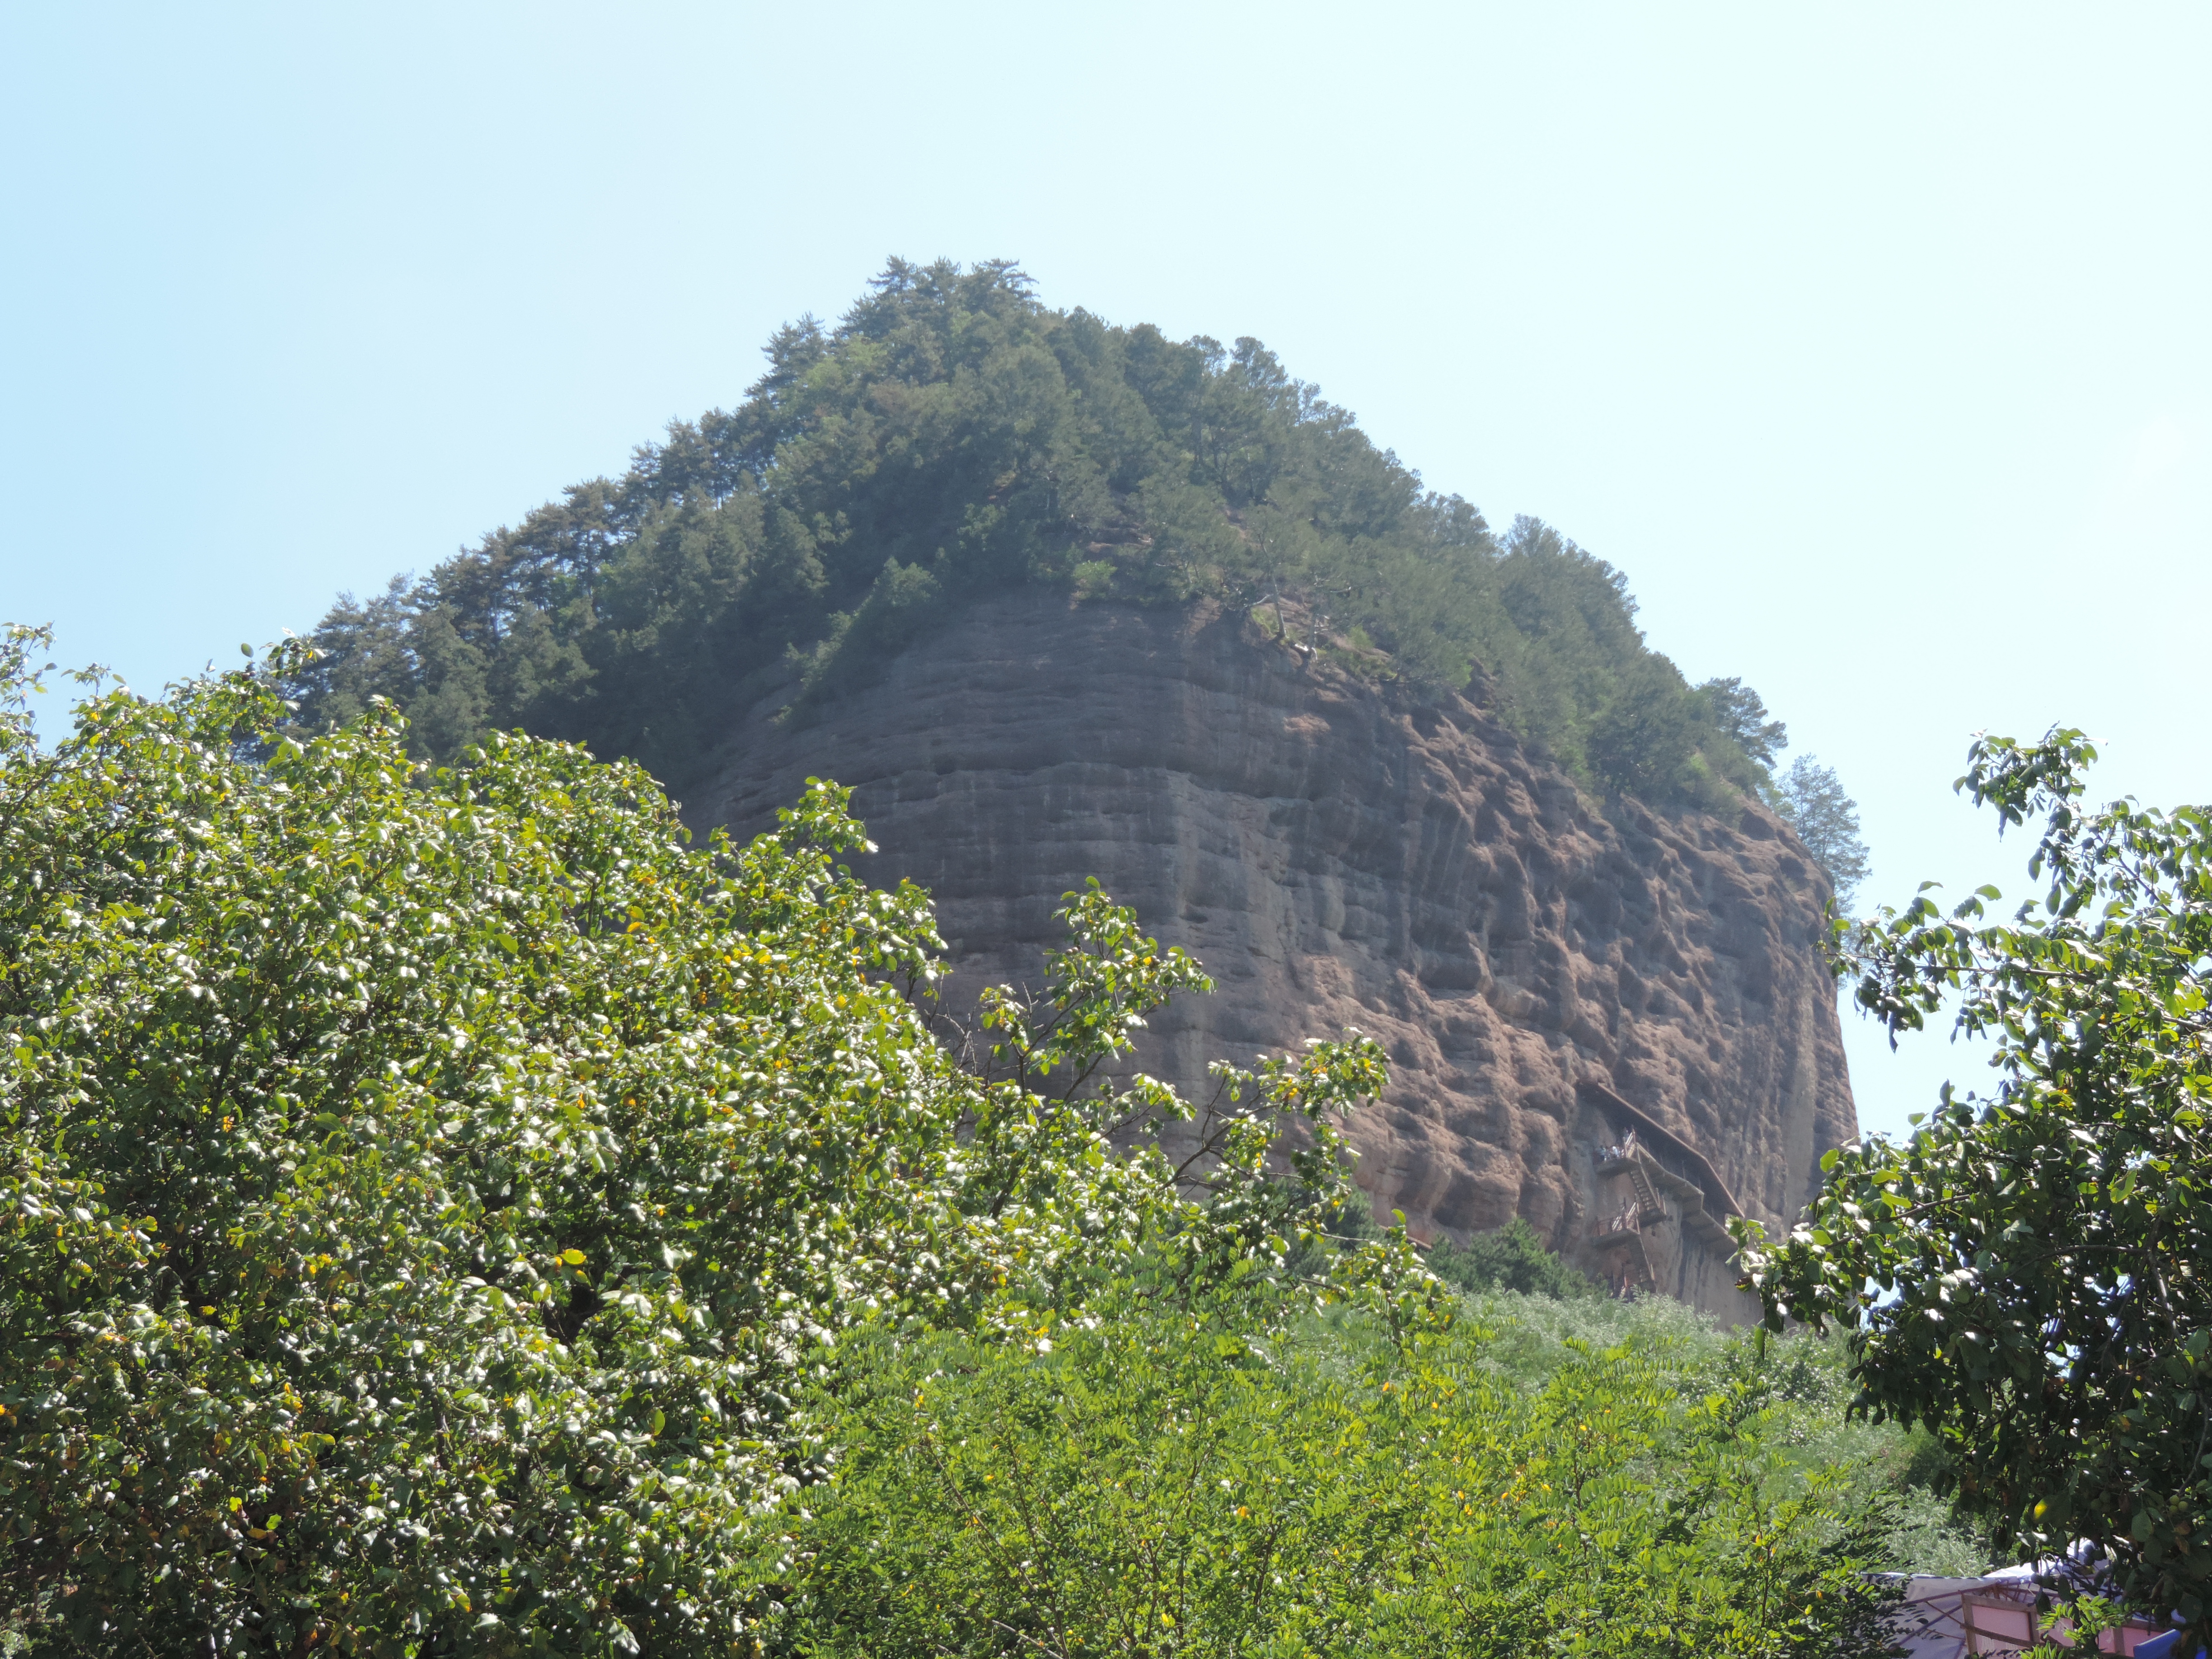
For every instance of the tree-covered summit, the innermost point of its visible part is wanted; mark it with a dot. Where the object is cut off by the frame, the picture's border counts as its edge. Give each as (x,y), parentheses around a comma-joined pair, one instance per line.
(952,436)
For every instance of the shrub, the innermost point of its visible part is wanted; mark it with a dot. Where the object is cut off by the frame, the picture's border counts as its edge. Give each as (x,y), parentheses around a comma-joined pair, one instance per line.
(1512,1258)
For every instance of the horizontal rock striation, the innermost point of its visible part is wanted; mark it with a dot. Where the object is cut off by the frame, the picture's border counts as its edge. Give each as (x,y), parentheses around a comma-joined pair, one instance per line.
(1546,977)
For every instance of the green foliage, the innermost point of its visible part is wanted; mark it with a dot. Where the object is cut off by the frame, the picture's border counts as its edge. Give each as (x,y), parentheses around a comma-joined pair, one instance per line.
(1901,1469)
(2027,1276)
(430,1198)
(1160,1484)
(1512,1258)
(951,436)
(1741,712)
(1811,799)
(448,1212)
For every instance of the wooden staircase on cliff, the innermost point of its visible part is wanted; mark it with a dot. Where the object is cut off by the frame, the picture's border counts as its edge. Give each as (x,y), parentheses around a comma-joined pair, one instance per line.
(1627,1266)
(1621,1173)
(1666,1164)
(1647,1203)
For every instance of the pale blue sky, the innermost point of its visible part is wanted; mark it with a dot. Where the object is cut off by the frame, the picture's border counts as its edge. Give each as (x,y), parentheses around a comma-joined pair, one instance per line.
(1871,341)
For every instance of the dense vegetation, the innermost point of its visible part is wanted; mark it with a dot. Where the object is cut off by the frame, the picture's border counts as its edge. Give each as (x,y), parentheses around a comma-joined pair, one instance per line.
(428,1200)
(448,1214)
(952,436)
(1588,1478)
(2027,1276)
(1512,1258)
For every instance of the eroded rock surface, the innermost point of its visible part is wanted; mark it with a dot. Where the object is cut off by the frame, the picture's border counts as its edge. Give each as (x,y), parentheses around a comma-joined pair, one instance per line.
(1544,978)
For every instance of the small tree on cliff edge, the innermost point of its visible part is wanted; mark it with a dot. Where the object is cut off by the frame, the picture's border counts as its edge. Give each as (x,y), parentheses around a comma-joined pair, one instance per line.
(2031,1276)
(1811,799)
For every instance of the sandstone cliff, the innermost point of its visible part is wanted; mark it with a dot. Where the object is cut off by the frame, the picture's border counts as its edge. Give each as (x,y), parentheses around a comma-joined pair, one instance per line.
(1544,977)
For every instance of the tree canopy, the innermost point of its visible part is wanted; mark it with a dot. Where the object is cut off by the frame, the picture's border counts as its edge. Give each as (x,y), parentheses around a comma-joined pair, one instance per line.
(2027,1276)
(1513,1257)
(950,435)
(429,1197)
(1810,799)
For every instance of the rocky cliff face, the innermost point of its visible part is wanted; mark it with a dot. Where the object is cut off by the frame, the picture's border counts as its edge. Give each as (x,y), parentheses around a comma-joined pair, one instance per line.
(1545,978)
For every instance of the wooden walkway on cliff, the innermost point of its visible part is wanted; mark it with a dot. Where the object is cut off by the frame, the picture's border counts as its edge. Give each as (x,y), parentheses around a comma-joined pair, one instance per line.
(1671,1165)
